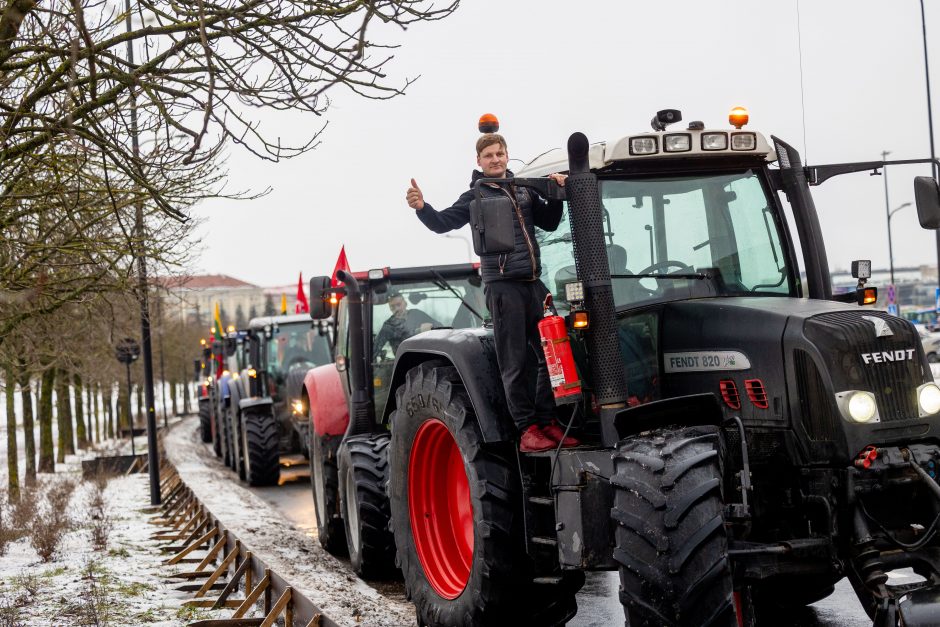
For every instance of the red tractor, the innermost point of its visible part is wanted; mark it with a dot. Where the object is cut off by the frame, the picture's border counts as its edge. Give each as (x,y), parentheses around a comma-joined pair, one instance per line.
(348,447)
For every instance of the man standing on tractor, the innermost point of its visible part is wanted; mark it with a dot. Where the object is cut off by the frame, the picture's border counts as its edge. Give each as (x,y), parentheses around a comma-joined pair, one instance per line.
(515,295)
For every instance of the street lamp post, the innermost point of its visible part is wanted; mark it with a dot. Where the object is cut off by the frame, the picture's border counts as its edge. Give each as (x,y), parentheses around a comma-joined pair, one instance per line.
(933,166)
(127,351)
(884,170)
(139,249)
(890,245)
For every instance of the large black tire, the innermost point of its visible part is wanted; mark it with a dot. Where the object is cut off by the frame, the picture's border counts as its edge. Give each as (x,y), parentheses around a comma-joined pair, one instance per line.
(324,483)
(205,421)
(496,578)
(261,449)
(363,475)
(238,445)
(217,440)
(226,431)
(670,535)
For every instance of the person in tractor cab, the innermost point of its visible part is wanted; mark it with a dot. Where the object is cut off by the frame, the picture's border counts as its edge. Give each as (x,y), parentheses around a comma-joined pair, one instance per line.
(515,295)
(402,324)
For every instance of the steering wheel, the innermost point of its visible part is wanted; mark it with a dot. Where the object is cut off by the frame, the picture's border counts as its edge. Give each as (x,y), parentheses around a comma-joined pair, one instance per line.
(298,360)
(659,267)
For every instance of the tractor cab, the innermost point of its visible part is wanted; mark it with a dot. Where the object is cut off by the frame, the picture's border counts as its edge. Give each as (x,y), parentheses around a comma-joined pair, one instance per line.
(399,303)
(283,348)
(376,313)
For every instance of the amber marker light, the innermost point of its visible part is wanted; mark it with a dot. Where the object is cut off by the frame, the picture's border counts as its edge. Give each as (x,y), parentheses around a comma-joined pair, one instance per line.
(334,299)
(488,123)
(202,342)
(738,117)
(580,320)
(870,296)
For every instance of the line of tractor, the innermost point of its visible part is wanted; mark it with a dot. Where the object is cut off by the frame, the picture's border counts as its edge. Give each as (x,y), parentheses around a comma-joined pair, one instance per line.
(747,437)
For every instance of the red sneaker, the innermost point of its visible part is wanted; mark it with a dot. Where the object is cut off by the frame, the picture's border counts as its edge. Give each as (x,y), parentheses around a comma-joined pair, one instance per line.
(534,440)
(555,432)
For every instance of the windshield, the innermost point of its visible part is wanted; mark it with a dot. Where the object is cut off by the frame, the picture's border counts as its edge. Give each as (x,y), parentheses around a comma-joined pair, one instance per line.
(716,234)
(406,309)
(297,345)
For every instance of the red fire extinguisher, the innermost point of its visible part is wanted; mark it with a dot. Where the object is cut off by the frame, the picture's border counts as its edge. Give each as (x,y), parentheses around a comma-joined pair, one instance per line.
(558,356)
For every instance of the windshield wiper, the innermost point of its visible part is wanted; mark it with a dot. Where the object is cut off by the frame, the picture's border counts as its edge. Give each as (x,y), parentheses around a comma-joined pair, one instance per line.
(701,276)
(442,283)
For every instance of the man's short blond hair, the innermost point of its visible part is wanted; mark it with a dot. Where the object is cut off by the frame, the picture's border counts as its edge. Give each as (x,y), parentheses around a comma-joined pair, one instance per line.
(488,140)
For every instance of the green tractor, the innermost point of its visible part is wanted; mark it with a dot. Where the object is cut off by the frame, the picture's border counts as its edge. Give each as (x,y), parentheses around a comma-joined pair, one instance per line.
(262,391)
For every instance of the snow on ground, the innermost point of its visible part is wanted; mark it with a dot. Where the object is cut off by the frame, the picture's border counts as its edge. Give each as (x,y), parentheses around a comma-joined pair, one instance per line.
(129,576)
(300,559)
(106,447)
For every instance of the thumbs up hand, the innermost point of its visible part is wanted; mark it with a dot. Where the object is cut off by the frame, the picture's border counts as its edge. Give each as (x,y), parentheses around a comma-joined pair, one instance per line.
(414,196)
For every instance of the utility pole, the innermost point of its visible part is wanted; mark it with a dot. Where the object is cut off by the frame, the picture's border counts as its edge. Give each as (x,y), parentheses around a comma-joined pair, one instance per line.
(139,234)
(933,166)
(884,157)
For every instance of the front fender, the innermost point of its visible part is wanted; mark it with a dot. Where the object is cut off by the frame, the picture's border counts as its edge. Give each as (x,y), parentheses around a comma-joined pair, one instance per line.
(255,404)
(329,411)
(473,354)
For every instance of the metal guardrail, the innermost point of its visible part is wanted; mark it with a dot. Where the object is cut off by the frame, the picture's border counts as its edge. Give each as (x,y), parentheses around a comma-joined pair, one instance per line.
(224,565)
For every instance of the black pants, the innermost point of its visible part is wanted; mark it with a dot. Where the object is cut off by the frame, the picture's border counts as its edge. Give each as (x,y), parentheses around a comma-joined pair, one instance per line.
(516,307)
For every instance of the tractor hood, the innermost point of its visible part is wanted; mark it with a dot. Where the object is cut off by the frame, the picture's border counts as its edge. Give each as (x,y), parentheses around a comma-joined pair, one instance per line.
(780,363)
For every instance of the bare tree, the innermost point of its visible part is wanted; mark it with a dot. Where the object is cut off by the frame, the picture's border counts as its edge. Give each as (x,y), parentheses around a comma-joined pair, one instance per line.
(205,69)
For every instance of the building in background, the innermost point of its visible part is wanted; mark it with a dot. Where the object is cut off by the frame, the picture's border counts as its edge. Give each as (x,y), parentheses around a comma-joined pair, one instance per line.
(193,298)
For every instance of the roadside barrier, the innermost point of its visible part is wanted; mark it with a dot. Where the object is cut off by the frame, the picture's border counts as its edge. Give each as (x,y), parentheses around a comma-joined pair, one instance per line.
(223,564)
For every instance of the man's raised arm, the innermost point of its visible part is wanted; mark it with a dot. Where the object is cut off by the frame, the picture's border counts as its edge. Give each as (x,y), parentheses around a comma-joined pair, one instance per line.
(453,217)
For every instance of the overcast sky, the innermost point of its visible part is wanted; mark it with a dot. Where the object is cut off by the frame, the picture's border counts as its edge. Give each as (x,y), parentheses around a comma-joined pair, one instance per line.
(548,68)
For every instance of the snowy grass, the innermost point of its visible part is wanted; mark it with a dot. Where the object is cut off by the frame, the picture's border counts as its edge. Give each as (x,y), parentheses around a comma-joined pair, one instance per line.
(122,582)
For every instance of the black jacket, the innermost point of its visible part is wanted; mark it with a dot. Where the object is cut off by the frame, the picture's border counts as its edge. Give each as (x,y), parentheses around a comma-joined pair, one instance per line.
(523,263)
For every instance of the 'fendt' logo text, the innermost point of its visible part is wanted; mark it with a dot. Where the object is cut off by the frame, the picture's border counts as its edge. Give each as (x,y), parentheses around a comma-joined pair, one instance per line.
(883,356)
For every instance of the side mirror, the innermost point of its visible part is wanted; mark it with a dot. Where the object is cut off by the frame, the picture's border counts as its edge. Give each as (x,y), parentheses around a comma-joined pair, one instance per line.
(491,222)
(320,307)
(197,369)
(927,197)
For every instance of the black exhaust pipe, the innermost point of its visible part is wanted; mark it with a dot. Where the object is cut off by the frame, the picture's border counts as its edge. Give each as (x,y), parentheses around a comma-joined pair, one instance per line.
(586,214)
(361,411)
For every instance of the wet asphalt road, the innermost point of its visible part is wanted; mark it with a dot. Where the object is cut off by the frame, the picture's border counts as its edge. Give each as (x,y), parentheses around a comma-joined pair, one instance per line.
(598,602)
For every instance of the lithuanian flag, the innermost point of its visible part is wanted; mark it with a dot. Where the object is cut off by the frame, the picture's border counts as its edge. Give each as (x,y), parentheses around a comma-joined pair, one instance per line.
(217,334)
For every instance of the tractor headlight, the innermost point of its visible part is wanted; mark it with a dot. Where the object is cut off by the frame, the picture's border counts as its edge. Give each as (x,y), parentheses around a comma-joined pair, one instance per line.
(928,399)
(858,406)
(743,141)
(677,143)
(714,141)
(298,407)
(643,146)
(574,292)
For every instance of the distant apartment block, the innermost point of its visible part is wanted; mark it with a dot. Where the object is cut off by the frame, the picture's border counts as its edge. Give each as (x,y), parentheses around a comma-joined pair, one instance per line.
(193,299)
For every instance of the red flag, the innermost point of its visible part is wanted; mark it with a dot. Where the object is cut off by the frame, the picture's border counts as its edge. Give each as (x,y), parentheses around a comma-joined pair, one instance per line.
(302,305)
(341,264)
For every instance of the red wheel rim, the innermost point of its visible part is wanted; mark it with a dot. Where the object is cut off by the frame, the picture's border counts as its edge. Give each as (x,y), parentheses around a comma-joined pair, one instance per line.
(441,512)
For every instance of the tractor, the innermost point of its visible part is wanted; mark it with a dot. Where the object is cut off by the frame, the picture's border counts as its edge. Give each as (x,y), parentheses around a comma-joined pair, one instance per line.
(378,311)
(263,409)
(202,366)
(748,437)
